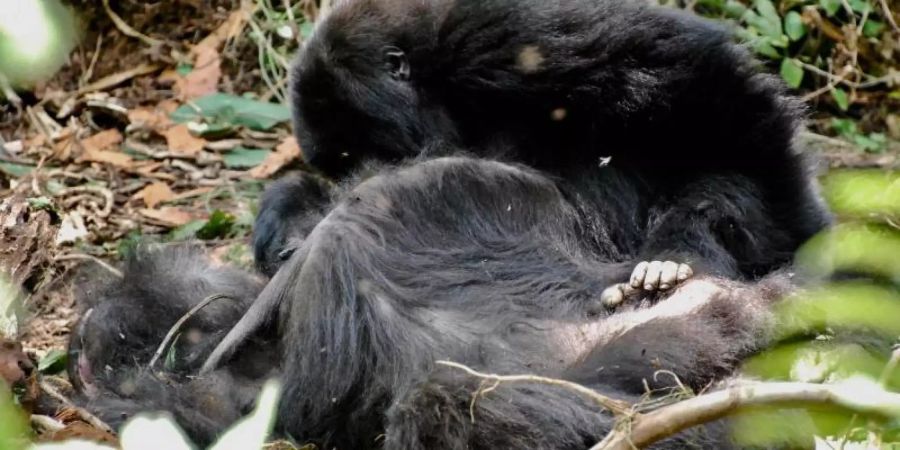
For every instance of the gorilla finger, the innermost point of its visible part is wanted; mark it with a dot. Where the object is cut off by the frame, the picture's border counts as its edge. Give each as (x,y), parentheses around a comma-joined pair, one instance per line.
(654,271)
(669,275)
(684,272)
(638,274)
(613,296)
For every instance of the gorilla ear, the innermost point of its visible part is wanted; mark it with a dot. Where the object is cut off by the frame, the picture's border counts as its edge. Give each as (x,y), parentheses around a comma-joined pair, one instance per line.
(396,63)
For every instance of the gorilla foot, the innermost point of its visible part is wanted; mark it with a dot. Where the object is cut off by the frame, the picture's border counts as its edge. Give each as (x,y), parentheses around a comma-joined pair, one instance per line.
(647,276)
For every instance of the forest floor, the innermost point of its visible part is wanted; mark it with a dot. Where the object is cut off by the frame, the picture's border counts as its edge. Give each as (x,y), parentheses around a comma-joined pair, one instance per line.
(160,126)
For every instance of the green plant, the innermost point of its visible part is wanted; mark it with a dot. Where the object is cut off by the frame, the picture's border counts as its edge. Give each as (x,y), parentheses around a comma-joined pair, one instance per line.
(841,51)
(813,324)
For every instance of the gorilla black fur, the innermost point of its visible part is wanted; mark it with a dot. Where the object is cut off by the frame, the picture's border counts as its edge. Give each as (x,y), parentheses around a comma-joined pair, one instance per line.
(478,262)
(560,86)
(125,321)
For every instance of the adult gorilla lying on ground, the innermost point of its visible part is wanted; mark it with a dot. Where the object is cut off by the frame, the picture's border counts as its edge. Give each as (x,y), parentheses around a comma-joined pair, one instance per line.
(473,261)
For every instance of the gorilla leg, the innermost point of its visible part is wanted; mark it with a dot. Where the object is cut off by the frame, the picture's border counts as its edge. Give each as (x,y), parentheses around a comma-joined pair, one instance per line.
(698,335)
(446,412)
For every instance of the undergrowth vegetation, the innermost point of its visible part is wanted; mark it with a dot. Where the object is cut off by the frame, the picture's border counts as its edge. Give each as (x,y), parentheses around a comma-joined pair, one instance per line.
(843,55)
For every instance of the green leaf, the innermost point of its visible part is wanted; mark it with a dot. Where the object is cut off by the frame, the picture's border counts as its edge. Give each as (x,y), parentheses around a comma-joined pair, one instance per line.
(187,231)
(172,354)
(184,68)
(759,44)
(54,362)
(844,127)
(793,26)
(792,72)
(860,6)
(39,203)
(245,158)
(306,29)
(734,9)
(767,10)
(767,26)
(840,97)
(873,28)
(15,170)
(218,226)
(233,109)
(873,143)
(830,6)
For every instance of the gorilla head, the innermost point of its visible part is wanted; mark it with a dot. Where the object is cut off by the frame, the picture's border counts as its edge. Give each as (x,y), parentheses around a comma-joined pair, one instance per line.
(355,93)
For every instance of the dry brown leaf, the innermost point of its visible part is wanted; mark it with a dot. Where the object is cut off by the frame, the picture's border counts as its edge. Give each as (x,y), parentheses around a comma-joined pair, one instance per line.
(82,431)
(182,143)
(168,106)
(64,148)
(168,76)
(285,153)
(155,194)
(204,79)
(115,158)
(102,140)
(38,140)
(153,118)
(230,28)
(168,216)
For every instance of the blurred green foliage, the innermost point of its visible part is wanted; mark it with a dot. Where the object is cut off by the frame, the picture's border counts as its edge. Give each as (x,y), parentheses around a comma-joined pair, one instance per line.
(35,39)
(13,422)
(845,51)
(838,330)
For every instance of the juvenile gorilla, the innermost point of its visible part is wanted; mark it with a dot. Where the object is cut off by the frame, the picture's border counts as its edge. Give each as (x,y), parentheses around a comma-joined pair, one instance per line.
(633,108)
(126,319)
(474,261)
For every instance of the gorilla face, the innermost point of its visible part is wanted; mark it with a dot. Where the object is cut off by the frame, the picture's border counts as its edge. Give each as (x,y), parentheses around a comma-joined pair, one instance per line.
(355,95)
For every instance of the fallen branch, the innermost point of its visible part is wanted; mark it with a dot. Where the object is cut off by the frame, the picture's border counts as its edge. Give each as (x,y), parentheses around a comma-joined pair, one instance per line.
(645,429)
(639,430)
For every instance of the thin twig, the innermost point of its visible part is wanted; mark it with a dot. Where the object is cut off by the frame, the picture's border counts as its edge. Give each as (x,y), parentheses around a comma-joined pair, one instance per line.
(89,73)
(889,15)
(118,78)
(618,407)
(46,424)
(108,196)
(126,29)
(82,413)
(175,328)
(86,257)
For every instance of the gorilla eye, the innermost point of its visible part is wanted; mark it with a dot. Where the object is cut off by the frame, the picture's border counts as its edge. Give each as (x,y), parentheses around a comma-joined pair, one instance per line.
(396,63)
